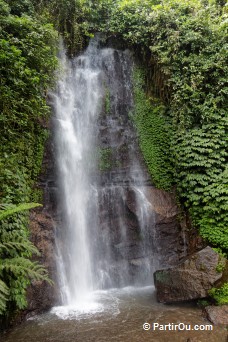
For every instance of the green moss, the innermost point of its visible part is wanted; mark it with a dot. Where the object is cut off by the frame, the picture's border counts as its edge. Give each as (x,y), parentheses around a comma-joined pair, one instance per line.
(108,159)
(154,133)
(107,101)
(163,277)
(105,159)
(221,261)
(202,303)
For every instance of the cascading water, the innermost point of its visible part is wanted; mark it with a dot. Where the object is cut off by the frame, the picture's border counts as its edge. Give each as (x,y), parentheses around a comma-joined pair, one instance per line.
(77,108)
(106,236)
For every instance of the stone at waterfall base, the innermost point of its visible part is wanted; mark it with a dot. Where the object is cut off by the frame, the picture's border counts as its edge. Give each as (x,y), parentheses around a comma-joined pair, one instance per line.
(217,314)
(189,280)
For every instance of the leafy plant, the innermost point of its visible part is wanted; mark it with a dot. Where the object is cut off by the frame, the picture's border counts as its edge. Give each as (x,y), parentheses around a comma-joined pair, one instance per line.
(220,295)
(4,295)
(15,209)
(16,270)
(154,132)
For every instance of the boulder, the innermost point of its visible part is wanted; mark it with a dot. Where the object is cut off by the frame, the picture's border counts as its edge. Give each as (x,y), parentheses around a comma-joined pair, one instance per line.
(170,243)
(217,314)
(161,203)
(191,279)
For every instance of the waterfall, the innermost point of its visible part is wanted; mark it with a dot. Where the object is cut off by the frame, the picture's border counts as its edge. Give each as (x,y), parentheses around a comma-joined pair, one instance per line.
(105,238)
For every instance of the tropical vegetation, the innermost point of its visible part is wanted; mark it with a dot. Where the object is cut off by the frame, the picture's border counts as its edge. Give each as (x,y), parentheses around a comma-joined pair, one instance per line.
(180,108)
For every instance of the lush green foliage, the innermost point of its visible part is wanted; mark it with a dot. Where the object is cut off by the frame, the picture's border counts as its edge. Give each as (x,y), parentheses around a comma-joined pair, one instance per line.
(15,209)
(4,295)
(154,132)
(16,269)
(220,295)
(70,18)
(27,63)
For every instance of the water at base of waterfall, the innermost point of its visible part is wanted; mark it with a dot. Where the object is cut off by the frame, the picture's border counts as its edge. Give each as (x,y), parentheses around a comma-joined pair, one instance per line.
(119,318)
(99,302)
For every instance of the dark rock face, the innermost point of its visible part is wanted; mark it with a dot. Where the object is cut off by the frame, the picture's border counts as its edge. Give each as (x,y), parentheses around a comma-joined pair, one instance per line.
(40,295)
(132,244)
(217,314)
(191,279)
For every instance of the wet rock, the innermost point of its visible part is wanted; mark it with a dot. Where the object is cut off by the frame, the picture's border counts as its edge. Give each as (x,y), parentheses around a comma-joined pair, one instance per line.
(217,314)
(169,241)
(138,262)
(41,296)
(163,203)
(191,279)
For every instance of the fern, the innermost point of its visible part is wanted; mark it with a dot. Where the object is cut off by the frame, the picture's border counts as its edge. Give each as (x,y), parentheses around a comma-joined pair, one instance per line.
(20,266)
(16,269)
(15,209)
(19,246)
(4,293)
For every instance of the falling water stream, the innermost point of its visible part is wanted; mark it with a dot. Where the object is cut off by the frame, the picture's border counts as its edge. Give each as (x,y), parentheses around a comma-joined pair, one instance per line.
(94,247)
(106,246)
(77,109)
